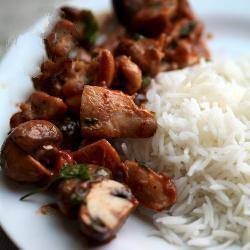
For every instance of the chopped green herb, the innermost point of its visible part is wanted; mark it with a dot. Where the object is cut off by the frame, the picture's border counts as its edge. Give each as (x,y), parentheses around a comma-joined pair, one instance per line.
(42,189)
(131,9)
(146,80)
(186,30)
(173,45)
(89,121)
(142,164)
(78,196)
(72,54)
(102,173)
(156,5)
(75,171)
(138,36)
(91,28)
(69,171)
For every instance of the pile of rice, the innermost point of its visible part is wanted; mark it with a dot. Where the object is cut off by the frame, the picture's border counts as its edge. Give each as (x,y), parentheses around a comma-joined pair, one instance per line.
(203,141)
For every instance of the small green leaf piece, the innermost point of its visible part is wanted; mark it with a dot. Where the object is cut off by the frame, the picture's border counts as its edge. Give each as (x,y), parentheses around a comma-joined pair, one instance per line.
(138,36)
(156,5)
(78,197)
(67,172)
(75,171)
(89,121)
(146,80)
(91,28)
(42,189)
(142,164)
(186,30)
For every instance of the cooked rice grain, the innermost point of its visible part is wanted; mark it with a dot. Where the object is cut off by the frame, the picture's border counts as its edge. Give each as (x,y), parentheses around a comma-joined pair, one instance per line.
(203,141)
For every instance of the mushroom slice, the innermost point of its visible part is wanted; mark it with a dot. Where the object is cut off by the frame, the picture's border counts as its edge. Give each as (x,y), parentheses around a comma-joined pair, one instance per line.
(107,205)
(31,135)
(20,166)
(72,192)
(153,190)
(100,153)
(112,114)
(66,200)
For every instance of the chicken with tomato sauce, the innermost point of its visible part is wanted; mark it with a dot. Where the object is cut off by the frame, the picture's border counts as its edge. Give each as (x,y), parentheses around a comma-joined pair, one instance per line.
(89,93)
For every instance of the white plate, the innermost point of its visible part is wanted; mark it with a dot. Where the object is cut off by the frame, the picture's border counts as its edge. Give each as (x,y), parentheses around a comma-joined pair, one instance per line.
(227,20)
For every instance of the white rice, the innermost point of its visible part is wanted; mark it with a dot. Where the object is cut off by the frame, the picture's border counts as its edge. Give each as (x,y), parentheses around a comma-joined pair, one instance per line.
(203,141)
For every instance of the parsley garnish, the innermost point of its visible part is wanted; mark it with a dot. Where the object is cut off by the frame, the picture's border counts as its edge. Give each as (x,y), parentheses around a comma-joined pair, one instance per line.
(186,30)
(91,28)
(89,121)
(78,196)
(75,171)
(142,164)
(156,5)
(138,36)
(146,80)
(67,172)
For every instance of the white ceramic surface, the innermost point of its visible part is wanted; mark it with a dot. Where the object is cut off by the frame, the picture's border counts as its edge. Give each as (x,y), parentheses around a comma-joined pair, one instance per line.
(227,20)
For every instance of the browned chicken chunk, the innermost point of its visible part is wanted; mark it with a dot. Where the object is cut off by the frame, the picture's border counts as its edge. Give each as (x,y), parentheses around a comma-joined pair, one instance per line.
(100,153)
(91,91)
(43,106)
(39,106)
(112,114)
(154,191)
(150,18)
(62,39)
(102,69)
(146,53)
(129,75)
(62,78)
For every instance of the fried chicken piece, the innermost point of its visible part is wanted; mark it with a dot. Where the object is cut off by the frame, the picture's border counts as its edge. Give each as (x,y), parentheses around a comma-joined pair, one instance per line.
(100,153)
(153,190)
(112,114)
(146,53)
(40,106)
(150,18)
(129,76)
(102,68)
(62,78)
(63,38)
